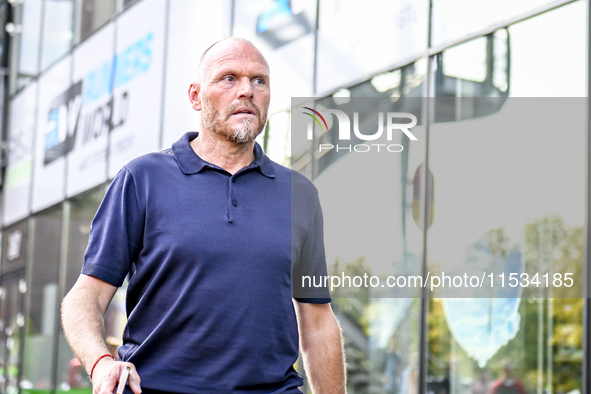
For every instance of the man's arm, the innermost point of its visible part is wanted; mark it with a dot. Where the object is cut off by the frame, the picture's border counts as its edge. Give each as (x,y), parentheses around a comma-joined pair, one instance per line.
(83,311)
(322,347)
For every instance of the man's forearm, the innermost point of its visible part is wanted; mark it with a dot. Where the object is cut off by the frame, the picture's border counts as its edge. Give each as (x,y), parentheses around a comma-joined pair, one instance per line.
(84,328)
(83,311)
(323,355)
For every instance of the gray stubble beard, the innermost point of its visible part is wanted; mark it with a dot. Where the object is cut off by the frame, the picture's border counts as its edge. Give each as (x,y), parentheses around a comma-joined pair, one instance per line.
(214,121)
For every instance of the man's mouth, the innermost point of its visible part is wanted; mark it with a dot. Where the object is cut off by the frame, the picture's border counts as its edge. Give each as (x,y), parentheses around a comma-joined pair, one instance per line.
(244,110)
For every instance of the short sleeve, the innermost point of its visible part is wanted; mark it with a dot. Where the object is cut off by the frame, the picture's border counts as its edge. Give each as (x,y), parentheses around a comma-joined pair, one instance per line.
(309,272)
(116,232)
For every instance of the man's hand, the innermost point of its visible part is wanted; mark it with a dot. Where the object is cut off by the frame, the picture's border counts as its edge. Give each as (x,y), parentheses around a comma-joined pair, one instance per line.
(322,348)
(106,374)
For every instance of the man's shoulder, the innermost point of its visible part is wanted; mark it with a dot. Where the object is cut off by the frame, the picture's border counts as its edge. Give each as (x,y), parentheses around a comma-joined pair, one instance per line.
(151,161)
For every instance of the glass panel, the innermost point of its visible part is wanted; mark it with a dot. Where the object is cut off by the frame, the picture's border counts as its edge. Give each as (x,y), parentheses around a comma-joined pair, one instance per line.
(381,343)
(11,331)
(43,305)
(275,138)
(356,41)
(3,350)
(12,288)
(95,13)
(454,19)
(477,68)
(70,374)
(405,82)
(369,227)
(58,33)
(501,193)
(3,42)
(21,129)
(284,31)
(548,54)
(128,2)
(29,15)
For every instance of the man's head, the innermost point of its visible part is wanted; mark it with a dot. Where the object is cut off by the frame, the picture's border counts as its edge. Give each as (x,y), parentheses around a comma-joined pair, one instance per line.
(509,369)
(232,90)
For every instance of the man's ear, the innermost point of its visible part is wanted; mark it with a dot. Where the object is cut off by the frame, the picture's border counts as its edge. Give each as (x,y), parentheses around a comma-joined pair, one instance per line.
(194,98)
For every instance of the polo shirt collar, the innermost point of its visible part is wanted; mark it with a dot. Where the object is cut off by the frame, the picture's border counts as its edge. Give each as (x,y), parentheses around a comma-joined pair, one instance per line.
(190,163)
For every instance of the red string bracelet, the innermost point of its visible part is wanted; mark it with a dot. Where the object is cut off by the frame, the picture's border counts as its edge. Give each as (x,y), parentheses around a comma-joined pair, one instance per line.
(96,362)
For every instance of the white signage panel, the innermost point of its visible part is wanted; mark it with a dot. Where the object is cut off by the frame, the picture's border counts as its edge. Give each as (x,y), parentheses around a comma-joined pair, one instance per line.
(137,90)
(93,66)
(57,118)
(356,41)
(186,43)
(284,32)
(21,131)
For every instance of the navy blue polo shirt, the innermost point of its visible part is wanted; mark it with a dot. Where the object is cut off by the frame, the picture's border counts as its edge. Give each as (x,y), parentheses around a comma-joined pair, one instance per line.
(209,257)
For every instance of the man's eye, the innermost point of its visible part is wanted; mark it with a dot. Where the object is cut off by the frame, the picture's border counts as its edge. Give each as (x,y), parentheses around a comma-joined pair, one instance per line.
(229,78)
(259,81)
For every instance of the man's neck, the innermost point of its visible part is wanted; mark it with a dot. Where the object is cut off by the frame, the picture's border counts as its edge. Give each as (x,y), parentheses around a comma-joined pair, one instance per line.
(218,150)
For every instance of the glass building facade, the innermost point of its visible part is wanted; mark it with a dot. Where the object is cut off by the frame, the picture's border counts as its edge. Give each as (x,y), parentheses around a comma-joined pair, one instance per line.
(89,85)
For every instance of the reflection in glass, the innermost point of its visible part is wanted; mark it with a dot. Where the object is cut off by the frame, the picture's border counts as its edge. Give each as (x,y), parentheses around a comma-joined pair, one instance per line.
(405,82)
(369,229)
(477,68)
(381,343)
(278,24)
(94,14)
(526,208)
(507,187)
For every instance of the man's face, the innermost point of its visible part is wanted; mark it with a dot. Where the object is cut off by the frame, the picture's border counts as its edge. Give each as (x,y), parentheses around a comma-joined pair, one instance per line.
(235,92)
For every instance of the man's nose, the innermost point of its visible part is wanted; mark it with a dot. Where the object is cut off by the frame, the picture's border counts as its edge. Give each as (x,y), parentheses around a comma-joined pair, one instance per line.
(245,89)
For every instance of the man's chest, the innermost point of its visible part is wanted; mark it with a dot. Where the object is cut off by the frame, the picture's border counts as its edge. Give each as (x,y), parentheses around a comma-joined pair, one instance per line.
(219,227)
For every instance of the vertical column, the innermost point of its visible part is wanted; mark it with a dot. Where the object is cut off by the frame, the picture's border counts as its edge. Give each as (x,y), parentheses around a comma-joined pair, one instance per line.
(586,381)
(426,204)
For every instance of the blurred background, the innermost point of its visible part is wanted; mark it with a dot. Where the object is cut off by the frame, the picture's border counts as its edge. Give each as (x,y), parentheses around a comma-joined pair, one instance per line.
(87,85)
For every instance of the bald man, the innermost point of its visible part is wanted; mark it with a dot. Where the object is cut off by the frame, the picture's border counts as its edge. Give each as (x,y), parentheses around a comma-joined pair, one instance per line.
(206,235)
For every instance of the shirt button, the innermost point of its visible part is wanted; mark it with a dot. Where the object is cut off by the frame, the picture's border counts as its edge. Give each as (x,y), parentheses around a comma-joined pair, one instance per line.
(234,203)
